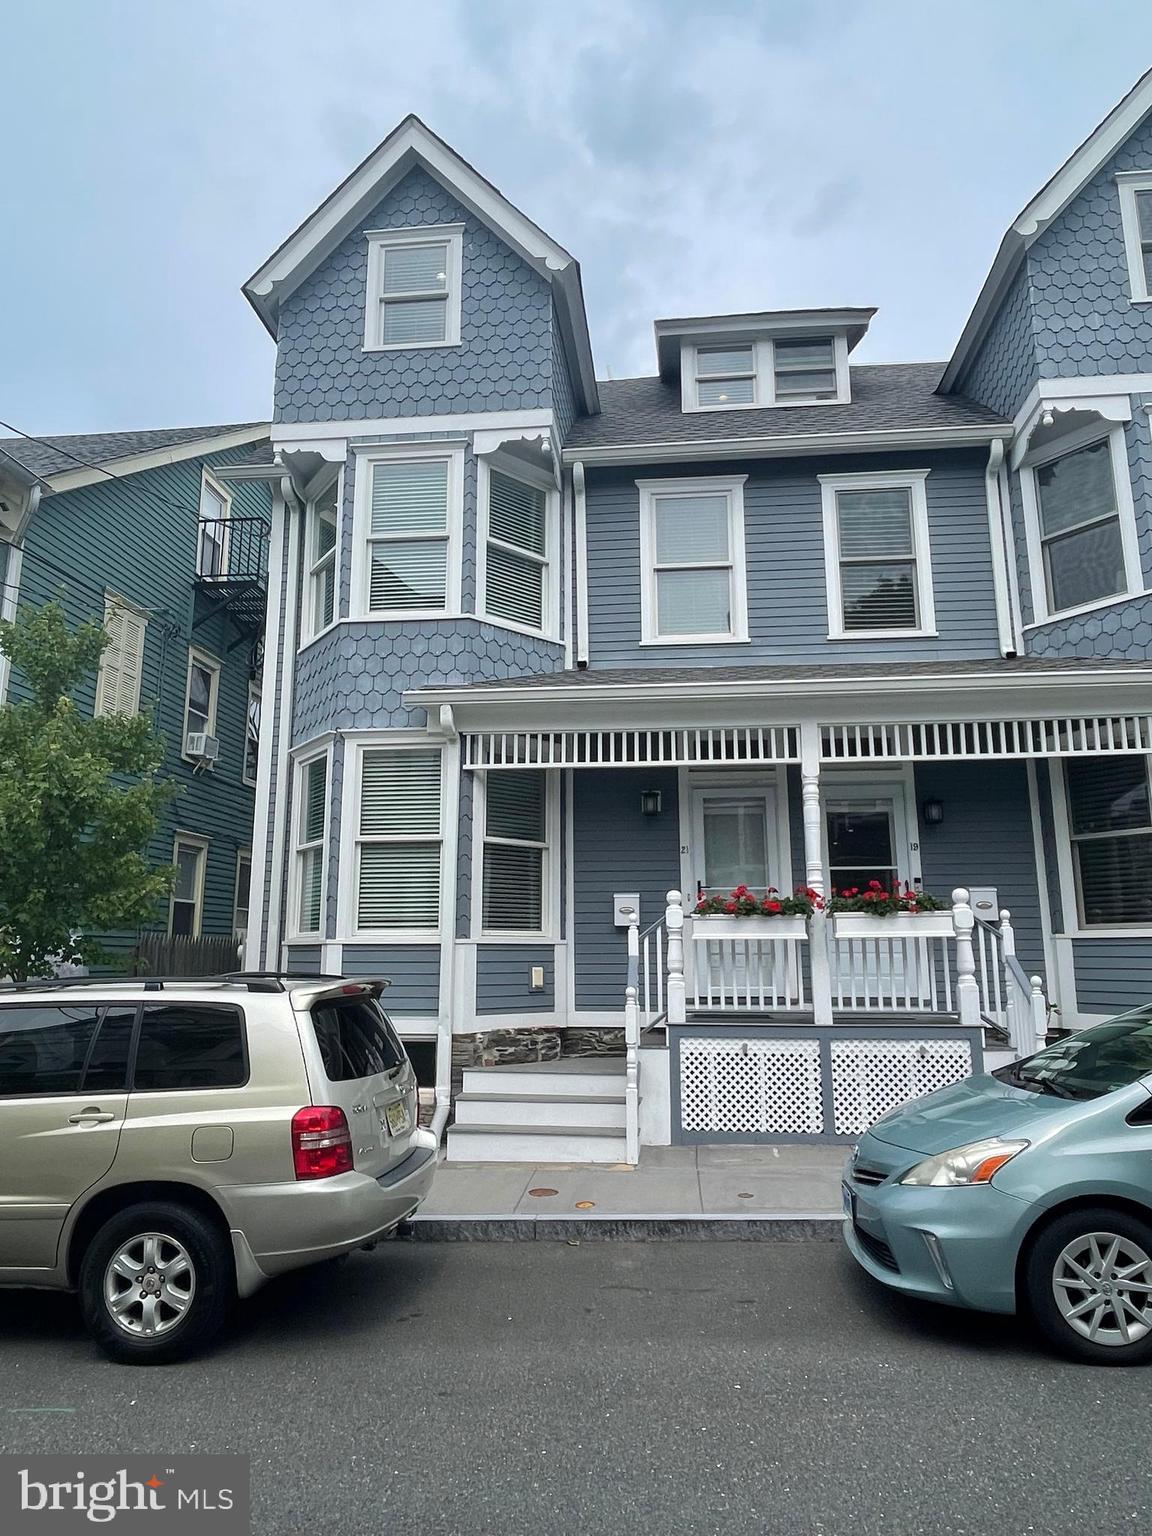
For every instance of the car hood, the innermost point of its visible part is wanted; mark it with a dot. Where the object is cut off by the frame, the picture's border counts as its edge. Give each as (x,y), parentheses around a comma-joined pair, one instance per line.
(970,1111)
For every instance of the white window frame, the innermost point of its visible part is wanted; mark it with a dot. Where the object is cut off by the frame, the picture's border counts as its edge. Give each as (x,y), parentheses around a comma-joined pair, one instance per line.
(351,840)
(113,602)
(208,481)
(301,845)
(212,664)
(243,856)
(366,459)
(311,629)
(1129,183)
(550,893)
(539,480)
(1072,922)
(200,844)
(255,696)
(1042,611)
(763,371)
(731,486)
(915,482)
(382,240)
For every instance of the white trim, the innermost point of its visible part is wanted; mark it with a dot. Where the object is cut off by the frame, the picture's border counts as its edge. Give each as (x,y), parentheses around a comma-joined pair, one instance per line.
(1075,613)
(1109,407)
(223,494)
(581,536)
(9,602)
(1084,386)
(549,931)
(299,846)
(201,845)
(1125,513)
(762,371)
(380,241)
(356,744)
(1047,929)
(312,436)
(453,537)
(729,486)
(274,937)
(252,957)
(198,657)
(693,783)
(1128,184)
(255,690)
(537,479)
(243,855)
(1006,632)
(800,444)
(1072,921)
(913,481)
(156,458)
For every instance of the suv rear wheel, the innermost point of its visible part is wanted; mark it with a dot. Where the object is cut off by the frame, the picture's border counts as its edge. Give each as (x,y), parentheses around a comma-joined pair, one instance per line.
(157,1283)
(1089,1282)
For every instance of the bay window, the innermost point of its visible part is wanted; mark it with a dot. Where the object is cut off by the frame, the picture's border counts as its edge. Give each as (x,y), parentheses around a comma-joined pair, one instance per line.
(320,610)
(409,505)
(515,851)
(516,556)
(399,839)
(1080,533)
(311,832)
(1110,826)
(692,555)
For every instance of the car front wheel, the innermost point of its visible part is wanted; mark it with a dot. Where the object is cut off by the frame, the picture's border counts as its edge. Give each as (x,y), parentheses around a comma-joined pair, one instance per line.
(1089,1283)
(157,1283)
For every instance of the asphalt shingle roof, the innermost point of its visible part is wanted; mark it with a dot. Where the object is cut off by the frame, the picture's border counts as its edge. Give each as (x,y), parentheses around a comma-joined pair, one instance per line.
(996,666)
(54,455)
(885,396)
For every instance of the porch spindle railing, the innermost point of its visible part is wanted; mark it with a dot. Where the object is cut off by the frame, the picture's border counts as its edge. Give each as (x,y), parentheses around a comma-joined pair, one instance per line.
(632,1042)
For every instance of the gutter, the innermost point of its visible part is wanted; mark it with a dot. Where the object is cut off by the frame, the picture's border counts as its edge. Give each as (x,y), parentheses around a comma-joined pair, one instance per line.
(1004,629)
(790,445)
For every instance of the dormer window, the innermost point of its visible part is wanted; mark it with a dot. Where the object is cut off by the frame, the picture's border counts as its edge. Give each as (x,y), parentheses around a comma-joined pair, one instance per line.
(766,371)
(413,297)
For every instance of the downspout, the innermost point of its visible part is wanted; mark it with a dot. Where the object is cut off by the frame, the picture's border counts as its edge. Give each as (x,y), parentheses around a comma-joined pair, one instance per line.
(1010,550)
(581,565)
(1004,628)
(447,730)
(273,938)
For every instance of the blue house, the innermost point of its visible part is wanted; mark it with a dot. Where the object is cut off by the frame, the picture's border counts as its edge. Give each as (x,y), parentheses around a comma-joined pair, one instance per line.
(162,537)
(550,660)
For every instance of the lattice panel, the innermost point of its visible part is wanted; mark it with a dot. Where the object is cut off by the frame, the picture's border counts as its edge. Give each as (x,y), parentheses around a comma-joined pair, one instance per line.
(870,1077)
(751,1087)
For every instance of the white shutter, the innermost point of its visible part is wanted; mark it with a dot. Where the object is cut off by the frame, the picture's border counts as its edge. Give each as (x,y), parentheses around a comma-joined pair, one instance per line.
(398,879)
(122,662)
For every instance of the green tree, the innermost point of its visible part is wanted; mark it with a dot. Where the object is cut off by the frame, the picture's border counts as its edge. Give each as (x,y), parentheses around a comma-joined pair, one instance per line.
(79,802)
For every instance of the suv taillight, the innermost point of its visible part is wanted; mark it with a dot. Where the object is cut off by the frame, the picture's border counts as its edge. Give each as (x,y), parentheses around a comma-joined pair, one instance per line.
(321,1142)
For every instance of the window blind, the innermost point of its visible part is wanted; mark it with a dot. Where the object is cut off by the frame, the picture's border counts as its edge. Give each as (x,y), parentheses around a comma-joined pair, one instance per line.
(725,376)
(1080,528)
(878,588)
(515,835)
(398,880)
(410,496)
(691,529)
(415,268)
(1110,817)
(514,579)
(314,803)
(805,368)
(408,543)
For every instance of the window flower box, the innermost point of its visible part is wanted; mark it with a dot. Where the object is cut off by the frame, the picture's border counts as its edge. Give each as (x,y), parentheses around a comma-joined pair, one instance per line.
(728,926)
(897,925)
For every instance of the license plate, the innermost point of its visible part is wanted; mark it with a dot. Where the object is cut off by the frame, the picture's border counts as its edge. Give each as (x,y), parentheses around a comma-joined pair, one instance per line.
(849,1201)
(396,1117)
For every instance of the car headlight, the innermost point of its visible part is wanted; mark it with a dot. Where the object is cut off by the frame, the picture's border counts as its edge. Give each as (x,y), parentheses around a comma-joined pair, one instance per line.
(973,1164)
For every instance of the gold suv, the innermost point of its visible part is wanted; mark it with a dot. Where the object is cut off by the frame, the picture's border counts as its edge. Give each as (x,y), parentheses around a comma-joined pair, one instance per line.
(169,1145)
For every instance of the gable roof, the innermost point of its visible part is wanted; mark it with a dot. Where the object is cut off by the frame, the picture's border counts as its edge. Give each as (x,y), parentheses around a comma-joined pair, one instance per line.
(1051,201)
(413,143)
(81,456)
(887,398)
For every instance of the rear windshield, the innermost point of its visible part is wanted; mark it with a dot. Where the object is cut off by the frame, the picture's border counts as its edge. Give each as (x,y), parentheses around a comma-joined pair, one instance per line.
(1086,1066)
(355,1038)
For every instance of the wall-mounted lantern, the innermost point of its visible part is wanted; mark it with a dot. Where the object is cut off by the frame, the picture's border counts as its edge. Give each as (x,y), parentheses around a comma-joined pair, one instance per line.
(650,802)
(933,812)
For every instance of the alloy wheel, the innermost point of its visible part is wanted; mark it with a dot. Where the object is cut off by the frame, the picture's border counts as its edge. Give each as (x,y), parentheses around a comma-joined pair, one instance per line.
(1103,1287)
(149,1284)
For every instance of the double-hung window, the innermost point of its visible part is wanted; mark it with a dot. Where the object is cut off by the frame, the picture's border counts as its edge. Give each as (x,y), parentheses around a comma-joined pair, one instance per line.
(1110,824)
(1136,216)
(413,287)
(692,557)
(1080,530)
(804,370)
(242,905)
(186,908)
(516,552)
(200,700)
(215,512)
(322,525)
(877,559)
(399,839)
(725,376)
(515,851)
(252,734)
(407,509)
(311,829)
(122,660)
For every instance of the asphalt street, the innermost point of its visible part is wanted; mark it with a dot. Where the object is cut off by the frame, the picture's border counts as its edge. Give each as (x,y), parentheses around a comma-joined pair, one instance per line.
(610,1387)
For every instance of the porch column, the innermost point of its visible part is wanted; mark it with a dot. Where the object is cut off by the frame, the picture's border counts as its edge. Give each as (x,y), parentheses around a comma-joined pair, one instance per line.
(818,957)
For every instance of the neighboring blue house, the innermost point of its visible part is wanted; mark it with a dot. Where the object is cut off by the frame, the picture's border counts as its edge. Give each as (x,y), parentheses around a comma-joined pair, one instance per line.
(543,649)
(162,537)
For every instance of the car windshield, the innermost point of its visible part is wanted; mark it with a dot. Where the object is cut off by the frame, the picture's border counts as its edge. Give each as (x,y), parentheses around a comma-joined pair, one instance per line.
(1094,1062)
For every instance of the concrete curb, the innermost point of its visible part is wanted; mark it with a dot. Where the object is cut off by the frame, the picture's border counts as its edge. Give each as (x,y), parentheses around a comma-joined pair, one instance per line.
(636,1229)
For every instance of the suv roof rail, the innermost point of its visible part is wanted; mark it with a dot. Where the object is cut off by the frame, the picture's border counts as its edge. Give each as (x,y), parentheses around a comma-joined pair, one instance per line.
(255,981)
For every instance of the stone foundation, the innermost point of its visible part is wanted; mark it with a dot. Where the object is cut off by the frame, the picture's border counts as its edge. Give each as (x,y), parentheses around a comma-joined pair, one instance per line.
(516,1047)
(579,1040)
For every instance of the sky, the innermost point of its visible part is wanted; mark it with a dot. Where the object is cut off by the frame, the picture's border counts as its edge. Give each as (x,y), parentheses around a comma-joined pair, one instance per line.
(698,158)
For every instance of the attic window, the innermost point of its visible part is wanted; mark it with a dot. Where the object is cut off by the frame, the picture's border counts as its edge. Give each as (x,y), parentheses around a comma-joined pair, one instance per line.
(769,371)
(413,297)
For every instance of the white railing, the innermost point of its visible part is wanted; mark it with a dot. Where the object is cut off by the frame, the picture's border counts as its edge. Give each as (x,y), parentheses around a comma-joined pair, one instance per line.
(632,1043)
(948,962)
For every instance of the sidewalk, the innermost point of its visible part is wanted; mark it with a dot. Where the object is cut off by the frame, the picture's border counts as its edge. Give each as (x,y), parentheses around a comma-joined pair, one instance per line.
(787,1192)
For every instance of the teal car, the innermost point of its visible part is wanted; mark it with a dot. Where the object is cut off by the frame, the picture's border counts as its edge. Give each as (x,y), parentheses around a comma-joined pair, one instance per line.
(1029,1188)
